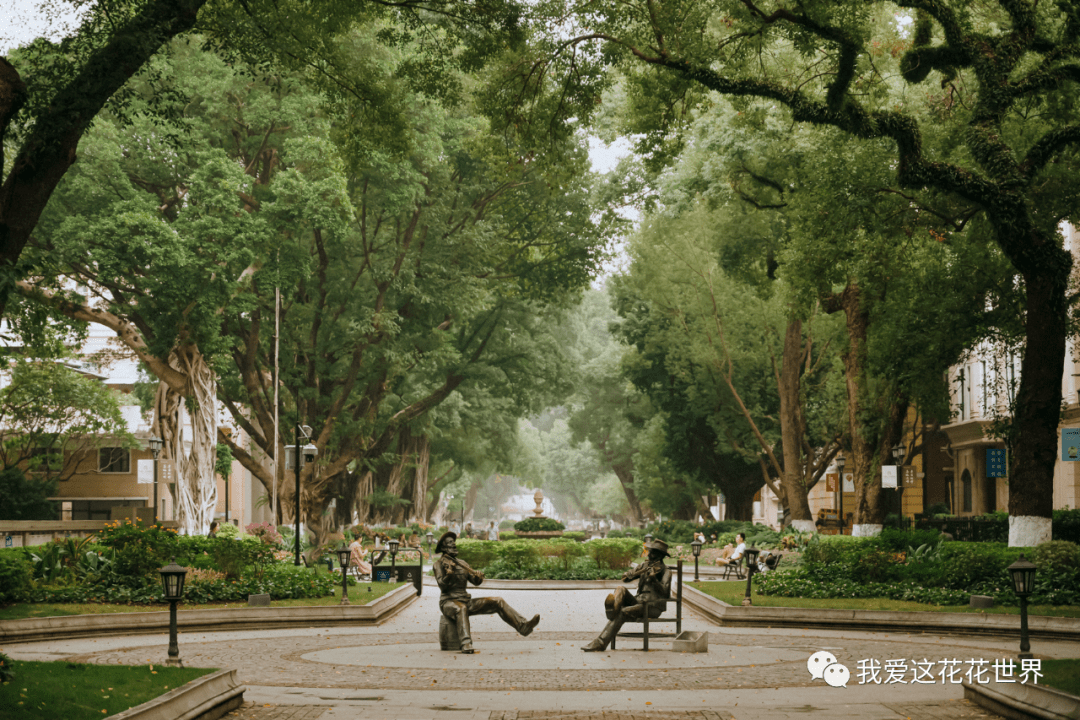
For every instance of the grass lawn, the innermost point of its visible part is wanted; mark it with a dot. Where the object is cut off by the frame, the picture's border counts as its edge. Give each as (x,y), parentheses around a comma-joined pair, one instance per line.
(1061,674)
(358,595)
(73,691)
(732,593)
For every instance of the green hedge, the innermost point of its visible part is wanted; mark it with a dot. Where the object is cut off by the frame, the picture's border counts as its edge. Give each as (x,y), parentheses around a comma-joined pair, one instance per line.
(546,559)
(841,566)
(281,582)
(538,525)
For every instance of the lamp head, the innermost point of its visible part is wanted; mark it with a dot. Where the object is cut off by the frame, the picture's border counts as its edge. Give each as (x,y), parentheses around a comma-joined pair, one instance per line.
(696,547)
(343,555)
(1023,576)
(840,462)
(155,444)
(172,580)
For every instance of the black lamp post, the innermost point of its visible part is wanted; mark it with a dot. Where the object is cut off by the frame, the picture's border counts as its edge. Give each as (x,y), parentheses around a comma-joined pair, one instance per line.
(751,554)
(299,457)
(898,453)
(840,462)
(696,546)
(156,444)
(393,543)
(648,538)
(172,586)
(1023,579)
(343,555)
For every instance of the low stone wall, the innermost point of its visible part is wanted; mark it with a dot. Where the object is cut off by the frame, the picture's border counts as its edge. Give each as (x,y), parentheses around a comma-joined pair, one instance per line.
(252,618)
(1050,628)
(206,698)
(1024,701)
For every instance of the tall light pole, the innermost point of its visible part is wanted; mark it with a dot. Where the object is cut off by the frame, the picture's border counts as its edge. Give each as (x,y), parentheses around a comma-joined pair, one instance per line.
(298,458)
(156,444)
(898,453)
(840,462)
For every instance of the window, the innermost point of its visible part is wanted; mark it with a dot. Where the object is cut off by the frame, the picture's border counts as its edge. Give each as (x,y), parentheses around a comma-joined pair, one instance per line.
(965,483)
(99,509)
(114,460)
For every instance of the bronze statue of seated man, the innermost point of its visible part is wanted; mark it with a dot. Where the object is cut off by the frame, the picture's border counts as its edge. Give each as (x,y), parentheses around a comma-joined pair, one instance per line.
(453,577)
(654,588)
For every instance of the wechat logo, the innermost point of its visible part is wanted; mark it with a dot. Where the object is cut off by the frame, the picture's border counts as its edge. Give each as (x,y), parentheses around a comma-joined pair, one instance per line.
(822,665)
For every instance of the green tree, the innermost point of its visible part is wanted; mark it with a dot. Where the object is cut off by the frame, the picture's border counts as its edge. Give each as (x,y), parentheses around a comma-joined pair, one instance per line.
(52,415)
(23,498)
(994,119)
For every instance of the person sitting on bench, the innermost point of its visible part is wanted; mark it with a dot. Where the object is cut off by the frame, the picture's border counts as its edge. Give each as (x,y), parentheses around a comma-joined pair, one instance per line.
(654,587)
(740,548)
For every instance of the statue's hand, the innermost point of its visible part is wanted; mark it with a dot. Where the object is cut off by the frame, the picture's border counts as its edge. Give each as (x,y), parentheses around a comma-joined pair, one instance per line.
(478,576)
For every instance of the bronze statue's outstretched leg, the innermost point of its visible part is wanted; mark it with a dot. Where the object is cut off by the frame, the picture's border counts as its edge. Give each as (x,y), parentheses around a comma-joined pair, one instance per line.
(496,605)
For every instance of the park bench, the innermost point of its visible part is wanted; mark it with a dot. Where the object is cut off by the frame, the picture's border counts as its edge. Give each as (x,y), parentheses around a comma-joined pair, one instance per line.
(736,568)
(646,621)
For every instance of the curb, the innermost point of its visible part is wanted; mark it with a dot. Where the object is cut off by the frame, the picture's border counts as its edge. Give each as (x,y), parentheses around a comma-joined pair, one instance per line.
(146,623)
(1024,702)
(205,698)
(1048,628)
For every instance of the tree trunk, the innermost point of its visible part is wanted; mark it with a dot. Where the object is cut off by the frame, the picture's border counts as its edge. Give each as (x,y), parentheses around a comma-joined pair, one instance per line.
(793,430)
(625,472)
(1038,410)
(196,489)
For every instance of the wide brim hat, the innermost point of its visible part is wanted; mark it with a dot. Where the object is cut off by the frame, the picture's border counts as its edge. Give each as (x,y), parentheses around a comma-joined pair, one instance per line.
(448,535)
(658,544)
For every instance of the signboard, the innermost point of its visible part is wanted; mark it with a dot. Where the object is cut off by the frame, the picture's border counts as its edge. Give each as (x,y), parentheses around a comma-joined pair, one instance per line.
(888,476)
(909,476)
(146,472)
(995,463)
(9,541)
(849,482)
(831,481)
(1070,444)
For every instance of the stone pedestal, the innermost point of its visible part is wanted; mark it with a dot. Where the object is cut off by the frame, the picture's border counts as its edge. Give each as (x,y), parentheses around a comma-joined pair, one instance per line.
(448,637)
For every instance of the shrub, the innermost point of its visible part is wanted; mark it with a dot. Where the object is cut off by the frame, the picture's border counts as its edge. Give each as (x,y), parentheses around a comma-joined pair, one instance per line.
(563,551)
(519,553)
(538,525)
(478,553)
(616,534)
(614,553)
(227,531)
(1056,555)
(265,533)
(1066,525)
(15,574)
(895,540)
(576,536)
(7,666)
(140,549)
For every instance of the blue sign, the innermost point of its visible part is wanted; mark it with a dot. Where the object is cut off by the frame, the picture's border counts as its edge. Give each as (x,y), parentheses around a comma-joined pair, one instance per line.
(1070,444)
(383,575)
(995,463)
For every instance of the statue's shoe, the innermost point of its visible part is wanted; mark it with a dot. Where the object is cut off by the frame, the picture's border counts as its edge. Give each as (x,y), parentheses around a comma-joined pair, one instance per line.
(467,650)
(527,628)
(596,645)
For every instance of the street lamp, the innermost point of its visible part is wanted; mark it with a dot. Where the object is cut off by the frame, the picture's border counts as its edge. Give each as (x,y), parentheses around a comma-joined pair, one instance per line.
(696,547)
(898,453)
(1023,579)
(172,586)
(343,555)
(156,444)
(297,457)
(840,462)
(393,543)
(648,538)
(751,554)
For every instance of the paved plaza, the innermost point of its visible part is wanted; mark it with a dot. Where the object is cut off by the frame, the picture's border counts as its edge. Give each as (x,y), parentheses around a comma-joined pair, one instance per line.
(396,671)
